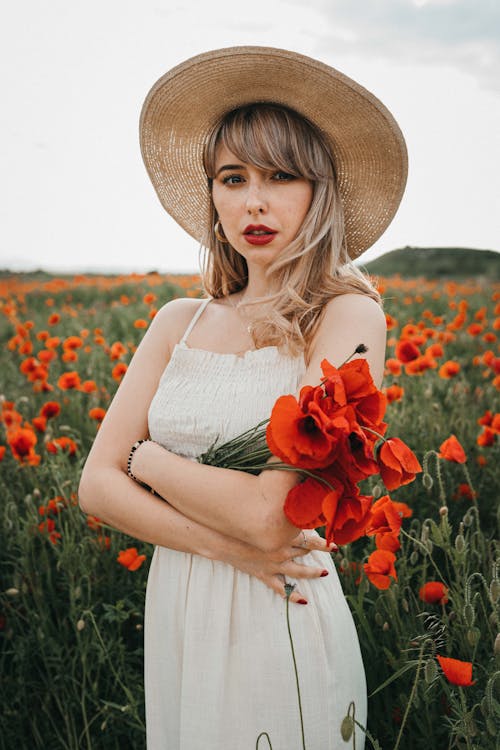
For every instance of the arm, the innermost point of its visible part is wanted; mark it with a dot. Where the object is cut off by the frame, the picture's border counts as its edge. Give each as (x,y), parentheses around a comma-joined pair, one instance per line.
(106,491)
(244,506)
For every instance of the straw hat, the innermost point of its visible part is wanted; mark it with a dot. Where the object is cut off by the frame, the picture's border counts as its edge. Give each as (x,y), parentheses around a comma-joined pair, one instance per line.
(186,104)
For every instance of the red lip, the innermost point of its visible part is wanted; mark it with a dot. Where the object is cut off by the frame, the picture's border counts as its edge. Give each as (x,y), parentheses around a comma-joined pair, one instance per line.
(259,239)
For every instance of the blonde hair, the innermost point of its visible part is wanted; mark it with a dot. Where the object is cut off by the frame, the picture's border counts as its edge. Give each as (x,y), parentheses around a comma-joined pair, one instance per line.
(315,266)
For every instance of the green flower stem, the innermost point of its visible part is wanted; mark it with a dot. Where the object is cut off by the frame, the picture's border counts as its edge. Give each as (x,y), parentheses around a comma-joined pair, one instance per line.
(412,695)
(428,554)
(289,588)
(464,710)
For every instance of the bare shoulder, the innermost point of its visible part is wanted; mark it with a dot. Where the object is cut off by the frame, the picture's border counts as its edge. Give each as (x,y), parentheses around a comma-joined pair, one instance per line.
(172,319)
(347,321)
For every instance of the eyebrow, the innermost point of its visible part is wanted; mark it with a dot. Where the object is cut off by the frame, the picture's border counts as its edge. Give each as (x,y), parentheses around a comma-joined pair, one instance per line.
(229,167)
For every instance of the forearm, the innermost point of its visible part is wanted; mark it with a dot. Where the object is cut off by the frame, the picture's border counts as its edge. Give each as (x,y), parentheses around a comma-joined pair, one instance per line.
(231,502)
(122,503)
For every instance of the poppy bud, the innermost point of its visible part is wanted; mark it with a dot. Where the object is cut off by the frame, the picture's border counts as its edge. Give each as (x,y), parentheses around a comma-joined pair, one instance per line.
(459,543)
(473,636)
(429,546)
(414,557)
(80,625)
(430,670)
(405,605)
(469,614)
(346,728)
(467,519)
(379,619)
(443,511)
(496,647)
(12,592)
(495,590)
(386,627)
(427,481)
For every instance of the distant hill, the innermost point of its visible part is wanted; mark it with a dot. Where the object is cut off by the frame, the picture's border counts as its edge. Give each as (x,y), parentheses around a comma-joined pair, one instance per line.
(432,262)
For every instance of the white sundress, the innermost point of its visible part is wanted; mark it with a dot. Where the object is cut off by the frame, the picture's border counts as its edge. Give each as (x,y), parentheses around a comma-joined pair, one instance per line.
(218,663)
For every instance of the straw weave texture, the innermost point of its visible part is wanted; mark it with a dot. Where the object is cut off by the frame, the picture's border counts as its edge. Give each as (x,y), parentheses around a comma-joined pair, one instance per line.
(185,105)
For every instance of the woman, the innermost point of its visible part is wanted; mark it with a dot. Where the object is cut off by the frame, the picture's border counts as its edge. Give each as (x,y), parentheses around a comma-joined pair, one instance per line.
(284,169)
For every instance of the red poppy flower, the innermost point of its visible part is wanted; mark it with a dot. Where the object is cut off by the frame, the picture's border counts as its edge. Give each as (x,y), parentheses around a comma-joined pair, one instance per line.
(50,409)
(380,568)
(346,516)
(97,413)
(406,351)
(449,369)
(384,523)
(119,371)
(397,463)
(64,444)
(393,366)
(394,393)
(434,592)
(487,437)
(2,452)
(39,423)
(130,558)
(69,381)
(451,450)
(88,386)
(457,672)
(357,379)
(308,439)
(304,504)
(22,442)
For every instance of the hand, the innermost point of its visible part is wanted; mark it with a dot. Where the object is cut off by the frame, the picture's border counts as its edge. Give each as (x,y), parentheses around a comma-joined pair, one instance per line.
(273,568)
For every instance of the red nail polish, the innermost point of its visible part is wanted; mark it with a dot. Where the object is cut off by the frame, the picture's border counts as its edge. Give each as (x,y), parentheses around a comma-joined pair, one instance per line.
(301,601)
(324,573)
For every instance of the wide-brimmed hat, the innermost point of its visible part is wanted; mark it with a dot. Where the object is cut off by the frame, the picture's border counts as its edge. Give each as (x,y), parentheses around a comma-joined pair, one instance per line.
(189,101)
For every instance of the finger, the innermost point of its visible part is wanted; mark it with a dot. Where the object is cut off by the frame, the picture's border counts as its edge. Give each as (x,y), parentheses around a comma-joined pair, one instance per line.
(277,585)
(295,570)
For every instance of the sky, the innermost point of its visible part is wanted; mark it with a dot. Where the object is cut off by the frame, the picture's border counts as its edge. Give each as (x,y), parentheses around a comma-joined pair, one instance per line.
(75,195)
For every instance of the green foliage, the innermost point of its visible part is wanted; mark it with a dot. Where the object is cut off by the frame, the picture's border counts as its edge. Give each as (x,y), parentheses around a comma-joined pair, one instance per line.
(71,616)
(437,262)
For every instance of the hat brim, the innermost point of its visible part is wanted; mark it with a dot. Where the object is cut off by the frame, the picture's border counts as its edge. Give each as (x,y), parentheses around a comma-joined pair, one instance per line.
(186,104)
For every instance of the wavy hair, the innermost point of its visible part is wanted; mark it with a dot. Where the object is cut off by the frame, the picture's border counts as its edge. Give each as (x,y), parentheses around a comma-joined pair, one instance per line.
(315,266)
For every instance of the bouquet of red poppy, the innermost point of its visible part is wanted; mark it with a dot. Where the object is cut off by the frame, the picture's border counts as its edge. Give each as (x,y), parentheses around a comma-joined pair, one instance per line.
(334,435)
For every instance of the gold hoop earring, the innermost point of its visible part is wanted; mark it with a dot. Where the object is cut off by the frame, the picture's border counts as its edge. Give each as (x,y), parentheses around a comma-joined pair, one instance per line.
(217,231)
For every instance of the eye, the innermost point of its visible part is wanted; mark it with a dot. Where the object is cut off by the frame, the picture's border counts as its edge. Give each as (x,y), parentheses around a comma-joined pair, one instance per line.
(232,179)
(283,176)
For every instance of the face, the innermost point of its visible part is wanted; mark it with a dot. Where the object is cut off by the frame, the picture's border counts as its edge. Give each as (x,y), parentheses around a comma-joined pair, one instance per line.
(260,211)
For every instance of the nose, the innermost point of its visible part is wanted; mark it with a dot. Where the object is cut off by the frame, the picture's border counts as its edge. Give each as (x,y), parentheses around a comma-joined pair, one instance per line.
(256,201)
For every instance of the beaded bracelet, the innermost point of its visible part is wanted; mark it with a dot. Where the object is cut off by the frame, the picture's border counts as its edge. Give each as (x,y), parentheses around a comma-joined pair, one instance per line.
(129,464)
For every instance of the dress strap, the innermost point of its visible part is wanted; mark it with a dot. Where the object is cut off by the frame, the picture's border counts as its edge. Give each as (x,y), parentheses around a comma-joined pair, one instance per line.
(194,319)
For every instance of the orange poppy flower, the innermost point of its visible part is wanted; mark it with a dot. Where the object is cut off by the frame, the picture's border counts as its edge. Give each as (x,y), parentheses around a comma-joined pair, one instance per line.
(53,319)
(397,464)
(140,323)
(457,672)
(117,350)
(88,386)
(420,365)
(69,380)
(72,342)
(119,371)
(304,504)
(39,423)
(49,527)
(403,509)
(46,355)
(69,356)
(97,413)
(487,437)
(346,516)
(475,329)
(433,592)
(393,366)
(384,523)
(451,450)
(407,351)
(130,558)
(449,369)
(22,443)
(380,568)
(2,452)
(394,393)
(63,443)
(149,298)
(50,409)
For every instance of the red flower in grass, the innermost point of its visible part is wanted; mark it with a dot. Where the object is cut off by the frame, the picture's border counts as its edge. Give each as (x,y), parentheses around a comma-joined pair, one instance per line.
(49,527)
(22,443)
(385,524)
(130,558)
(487,437)
(433,592)
(451,450)
(457,672)
(406,351)
(69,381)
(50,409)
(397,464)
(64,444)
(449,369)
(380,568)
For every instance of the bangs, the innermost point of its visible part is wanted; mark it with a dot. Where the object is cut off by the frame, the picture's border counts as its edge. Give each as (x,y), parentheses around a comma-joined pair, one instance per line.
(270,137)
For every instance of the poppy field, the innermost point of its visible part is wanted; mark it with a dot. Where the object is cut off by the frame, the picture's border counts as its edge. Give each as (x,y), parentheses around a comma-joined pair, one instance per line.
(427,608)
